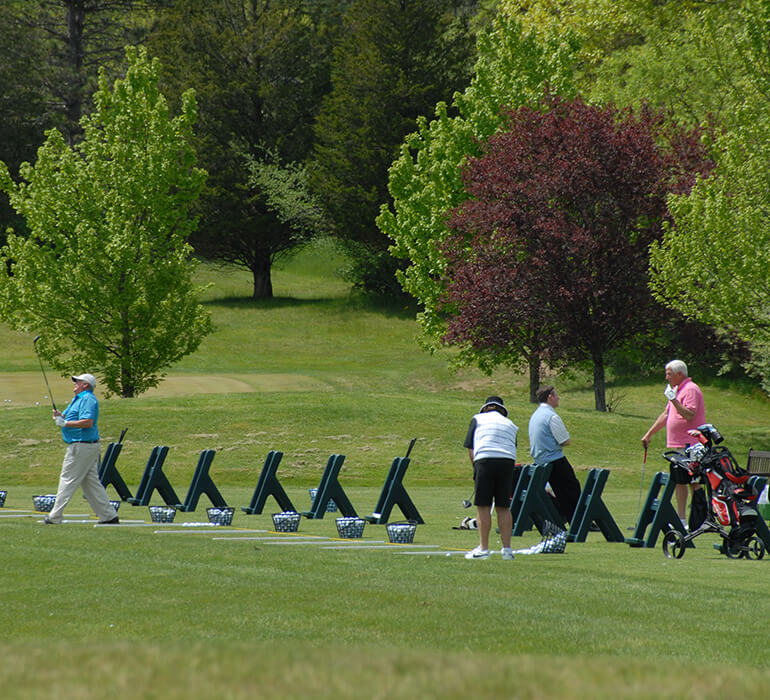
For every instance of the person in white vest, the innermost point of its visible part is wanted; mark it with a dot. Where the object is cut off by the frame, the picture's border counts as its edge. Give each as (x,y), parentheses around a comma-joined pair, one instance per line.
(491,442)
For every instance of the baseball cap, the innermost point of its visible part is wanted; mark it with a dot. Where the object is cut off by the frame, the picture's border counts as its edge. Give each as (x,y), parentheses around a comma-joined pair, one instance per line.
(89,378)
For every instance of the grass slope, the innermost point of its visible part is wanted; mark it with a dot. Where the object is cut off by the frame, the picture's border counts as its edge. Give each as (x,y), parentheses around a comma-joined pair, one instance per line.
(125,611)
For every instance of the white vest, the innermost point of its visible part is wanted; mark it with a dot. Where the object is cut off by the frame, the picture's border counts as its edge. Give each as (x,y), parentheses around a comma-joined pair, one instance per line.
(494,437)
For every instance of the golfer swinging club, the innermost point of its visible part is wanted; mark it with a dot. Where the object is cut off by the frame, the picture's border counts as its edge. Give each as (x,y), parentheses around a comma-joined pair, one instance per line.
(491,443)
(80,431)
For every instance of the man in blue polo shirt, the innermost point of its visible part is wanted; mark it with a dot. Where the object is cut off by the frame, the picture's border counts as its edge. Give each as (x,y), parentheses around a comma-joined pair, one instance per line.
(80,430)
(547,437)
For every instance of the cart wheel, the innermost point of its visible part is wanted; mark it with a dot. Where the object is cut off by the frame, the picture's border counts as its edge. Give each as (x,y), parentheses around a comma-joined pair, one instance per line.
(734,550)
(755,549)
(673,544)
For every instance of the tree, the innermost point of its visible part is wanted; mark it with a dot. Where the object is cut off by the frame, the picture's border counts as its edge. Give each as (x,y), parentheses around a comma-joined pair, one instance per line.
(513,68)
(68,40)
(105,274)
(397,59)
(562,206)
(720,228)
(259,68)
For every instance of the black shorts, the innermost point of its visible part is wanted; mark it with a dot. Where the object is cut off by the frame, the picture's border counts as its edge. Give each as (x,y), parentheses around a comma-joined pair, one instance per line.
(494,481)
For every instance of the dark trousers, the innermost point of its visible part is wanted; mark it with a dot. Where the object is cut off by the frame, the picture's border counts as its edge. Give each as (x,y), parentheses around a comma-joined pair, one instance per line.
(565,486)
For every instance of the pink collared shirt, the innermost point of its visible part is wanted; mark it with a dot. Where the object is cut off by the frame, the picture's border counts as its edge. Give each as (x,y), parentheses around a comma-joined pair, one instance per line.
(690,396)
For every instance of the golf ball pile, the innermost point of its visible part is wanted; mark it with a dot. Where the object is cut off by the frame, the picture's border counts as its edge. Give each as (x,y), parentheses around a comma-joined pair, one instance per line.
(3,494)
(44,504)
(220,516)
(331,506)
(401,533)
(162,514)
(350,527)
(287,521)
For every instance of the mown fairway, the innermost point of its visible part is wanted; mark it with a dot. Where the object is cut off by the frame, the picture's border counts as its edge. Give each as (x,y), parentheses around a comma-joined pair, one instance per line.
(124,612)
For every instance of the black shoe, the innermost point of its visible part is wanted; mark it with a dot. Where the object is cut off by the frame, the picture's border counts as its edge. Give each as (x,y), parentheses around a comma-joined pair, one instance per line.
(113,521)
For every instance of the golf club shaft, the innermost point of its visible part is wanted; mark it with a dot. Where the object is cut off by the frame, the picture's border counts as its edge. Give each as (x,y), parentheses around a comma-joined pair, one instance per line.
(641,480)
(39,359)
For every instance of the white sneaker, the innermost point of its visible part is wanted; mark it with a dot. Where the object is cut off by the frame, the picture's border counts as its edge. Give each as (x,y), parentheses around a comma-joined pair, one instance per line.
(507,553)
(477,553)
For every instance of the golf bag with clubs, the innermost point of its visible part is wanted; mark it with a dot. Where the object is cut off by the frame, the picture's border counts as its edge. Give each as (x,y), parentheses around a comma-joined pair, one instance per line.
(731,499)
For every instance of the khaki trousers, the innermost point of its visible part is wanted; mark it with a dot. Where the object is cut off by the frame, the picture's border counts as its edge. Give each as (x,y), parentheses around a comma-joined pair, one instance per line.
(81,468)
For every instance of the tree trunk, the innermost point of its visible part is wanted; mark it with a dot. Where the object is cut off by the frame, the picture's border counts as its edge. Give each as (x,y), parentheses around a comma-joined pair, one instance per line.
(600,399)
(534,376)
(74,94)
(263,284)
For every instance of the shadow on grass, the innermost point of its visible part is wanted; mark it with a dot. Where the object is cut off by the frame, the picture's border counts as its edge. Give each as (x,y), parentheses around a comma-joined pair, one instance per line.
(405,309)
(268,304)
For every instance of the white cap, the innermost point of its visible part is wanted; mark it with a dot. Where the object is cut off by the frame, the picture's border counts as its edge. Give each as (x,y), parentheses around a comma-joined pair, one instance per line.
(89,378)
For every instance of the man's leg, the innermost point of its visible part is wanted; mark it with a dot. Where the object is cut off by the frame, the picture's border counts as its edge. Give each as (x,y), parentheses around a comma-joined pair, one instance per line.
(566,487)
(680,491)
(72,472)
(505,523)
(94,491)
(485,525)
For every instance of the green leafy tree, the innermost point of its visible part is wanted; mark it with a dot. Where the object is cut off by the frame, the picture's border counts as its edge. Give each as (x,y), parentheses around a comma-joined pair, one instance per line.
(259,68)
(106,274)
(677,55)
(713,260)
(513,68)
(397,59)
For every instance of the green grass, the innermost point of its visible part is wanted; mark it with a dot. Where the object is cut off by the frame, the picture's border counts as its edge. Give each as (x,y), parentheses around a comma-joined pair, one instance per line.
(316,371)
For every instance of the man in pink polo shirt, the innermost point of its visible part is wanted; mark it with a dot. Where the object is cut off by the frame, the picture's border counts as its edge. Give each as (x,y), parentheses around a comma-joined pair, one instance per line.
(685,411)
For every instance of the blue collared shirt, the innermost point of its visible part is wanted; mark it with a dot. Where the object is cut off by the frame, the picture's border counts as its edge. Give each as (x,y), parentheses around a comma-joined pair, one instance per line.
(546,435)
(84,405)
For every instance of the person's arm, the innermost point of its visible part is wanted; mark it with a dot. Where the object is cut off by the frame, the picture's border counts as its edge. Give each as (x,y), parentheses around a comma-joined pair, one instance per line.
(660,422)
(559,430)
(686,413)
(470,454)
(81,423)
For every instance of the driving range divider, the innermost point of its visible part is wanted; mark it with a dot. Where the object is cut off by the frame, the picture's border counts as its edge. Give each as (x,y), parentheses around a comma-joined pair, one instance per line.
(329,488)
(531,505)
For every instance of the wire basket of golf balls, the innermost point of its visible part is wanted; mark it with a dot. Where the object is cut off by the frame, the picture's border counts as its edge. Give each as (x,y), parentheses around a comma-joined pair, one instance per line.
(3,494)
(286,521)
(220,516)
(350,527)
(401,532)
(162,514)
(115,505)
(331,506)
(44,504)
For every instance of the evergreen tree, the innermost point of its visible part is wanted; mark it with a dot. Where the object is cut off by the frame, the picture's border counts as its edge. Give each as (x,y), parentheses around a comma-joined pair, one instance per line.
(397,59)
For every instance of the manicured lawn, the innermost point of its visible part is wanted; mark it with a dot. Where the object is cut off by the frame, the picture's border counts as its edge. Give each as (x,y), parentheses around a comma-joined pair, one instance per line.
(132,611)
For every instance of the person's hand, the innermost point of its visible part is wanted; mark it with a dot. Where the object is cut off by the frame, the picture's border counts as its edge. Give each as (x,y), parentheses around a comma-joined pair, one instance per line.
(60,421)
(670,392)
(645,442)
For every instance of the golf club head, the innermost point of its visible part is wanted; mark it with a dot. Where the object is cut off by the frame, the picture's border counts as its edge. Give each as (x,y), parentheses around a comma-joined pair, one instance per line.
(466,503)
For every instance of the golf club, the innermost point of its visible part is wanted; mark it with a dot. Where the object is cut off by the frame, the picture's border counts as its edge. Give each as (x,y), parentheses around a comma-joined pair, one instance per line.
(50,393)
(641,479)
(641,482)
(467,503)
